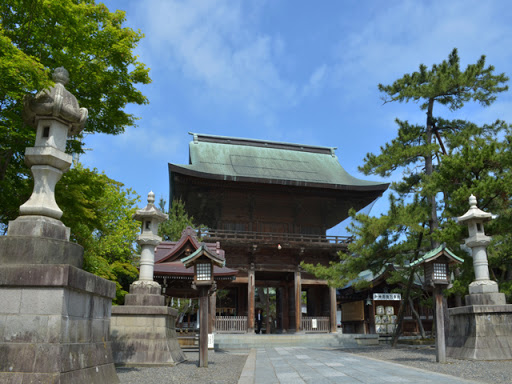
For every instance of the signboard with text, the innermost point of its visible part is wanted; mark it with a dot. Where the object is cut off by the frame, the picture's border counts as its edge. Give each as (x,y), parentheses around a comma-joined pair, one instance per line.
(387,296)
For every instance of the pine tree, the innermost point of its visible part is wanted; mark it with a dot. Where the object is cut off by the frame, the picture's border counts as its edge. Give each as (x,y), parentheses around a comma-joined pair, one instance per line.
(411,226)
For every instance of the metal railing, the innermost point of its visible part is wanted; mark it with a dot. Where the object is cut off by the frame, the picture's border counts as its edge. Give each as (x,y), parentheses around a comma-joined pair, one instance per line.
(222,234)
(231,324)
(315,324)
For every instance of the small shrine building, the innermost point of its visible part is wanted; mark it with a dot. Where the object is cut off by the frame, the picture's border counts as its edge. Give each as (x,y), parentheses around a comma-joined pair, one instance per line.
(270,204)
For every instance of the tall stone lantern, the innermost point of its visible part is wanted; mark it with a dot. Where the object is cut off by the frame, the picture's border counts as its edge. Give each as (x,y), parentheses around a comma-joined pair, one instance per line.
(483,290)
(55,115)
(482,329)
(143,329)
(54,316)
(151,218)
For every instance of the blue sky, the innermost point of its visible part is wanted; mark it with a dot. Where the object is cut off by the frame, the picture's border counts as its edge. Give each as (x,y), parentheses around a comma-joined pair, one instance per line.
(290,70)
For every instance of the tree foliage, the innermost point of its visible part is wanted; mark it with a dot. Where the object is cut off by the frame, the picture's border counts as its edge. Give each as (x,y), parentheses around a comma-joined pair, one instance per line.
(442,162)
(36,36)
(171,229)
(99,212)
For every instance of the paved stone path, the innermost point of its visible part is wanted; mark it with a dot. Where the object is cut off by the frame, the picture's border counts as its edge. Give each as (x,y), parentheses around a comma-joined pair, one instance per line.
(295,365)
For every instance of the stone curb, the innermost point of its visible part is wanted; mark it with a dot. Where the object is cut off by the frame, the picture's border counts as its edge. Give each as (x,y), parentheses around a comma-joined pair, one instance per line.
(248,372)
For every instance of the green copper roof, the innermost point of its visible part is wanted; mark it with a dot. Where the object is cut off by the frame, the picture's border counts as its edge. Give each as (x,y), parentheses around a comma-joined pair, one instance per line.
(433,254)
(203,250)
(236,159)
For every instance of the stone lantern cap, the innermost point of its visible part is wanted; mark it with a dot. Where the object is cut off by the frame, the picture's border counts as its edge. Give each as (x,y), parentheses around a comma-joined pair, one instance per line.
(150,211)
(56,103)
(474,212)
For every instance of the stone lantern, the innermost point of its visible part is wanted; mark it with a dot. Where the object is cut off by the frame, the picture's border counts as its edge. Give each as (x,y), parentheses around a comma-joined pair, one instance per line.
(143,329)
(478,242)
(54,315)
(55,115)
(151,217)
(482,329)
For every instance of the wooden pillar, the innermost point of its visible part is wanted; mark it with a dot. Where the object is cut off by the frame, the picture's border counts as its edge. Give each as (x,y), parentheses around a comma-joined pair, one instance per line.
(203,328)
(250,300)
(212,309)
(371,314)
(286,307)
(267,322)
(332,296)
(440,340)
(298,295)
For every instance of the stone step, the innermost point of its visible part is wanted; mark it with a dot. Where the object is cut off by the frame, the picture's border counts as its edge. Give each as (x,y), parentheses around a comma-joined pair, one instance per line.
(333,340)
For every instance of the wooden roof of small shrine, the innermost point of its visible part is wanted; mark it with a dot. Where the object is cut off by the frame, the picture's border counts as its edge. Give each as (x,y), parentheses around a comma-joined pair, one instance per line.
(441,251)
(270,162)
(168,255)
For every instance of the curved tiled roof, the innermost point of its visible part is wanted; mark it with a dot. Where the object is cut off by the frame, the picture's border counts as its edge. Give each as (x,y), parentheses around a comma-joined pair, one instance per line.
(236,159)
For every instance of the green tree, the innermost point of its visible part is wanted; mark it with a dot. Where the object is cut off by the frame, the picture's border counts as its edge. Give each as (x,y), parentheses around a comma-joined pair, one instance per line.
(415,146)
(411,226)
(171,229)
(36,36)
(99,212)
(478,162)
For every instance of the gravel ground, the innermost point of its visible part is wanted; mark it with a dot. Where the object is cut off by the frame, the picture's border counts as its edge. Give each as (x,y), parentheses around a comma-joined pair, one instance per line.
(495,372)
(223,368)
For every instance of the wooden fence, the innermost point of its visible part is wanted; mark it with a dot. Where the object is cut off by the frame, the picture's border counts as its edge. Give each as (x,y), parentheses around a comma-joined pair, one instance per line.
(231,324)
(315,324)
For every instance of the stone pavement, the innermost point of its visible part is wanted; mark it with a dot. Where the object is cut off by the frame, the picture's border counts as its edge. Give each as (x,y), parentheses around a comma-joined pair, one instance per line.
(295,365)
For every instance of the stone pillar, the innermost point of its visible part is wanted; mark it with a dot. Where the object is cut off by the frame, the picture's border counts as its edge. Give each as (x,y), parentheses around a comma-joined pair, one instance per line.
(481,330)
(298,305)
(143,330)
(332,296)
(54,316)
(250,299)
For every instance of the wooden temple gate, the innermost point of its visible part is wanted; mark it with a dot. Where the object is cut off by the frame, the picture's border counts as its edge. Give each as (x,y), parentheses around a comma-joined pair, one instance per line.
(269,205)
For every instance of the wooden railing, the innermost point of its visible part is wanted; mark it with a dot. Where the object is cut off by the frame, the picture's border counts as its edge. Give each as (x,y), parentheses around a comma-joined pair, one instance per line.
(315,324)
(231,324)
(222,234)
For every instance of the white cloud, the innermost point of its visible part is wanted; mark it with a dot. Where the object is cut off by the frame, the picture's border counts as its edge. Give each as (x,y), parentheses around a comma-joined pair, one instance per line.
(215,44)
(317,81)
(400,35)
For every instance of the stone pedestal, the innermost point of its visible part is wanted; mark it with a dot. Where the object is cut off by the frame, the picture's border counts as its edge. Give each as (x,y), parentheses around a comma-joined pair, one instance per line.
(143,330)
(54,323)
(480,332)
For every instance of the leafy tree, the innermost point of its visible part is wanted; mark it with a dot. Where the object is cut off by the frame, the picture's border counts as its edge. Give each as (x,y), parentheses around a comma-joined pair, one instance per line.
(479,162)
(415,146)
(411,226)
(36,36)
(99,212)
(171,229)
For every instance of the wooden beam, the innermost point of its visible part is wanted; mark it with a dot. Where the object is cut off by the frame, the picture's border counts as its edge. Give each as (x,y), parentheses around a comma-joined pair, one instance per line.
(313,282)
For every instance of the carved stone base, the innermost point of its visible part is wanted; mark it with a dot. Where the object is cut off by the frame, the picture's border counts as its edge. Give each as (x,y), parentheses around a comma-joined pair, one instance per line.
(54,325)
(145,335)
(480,332)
